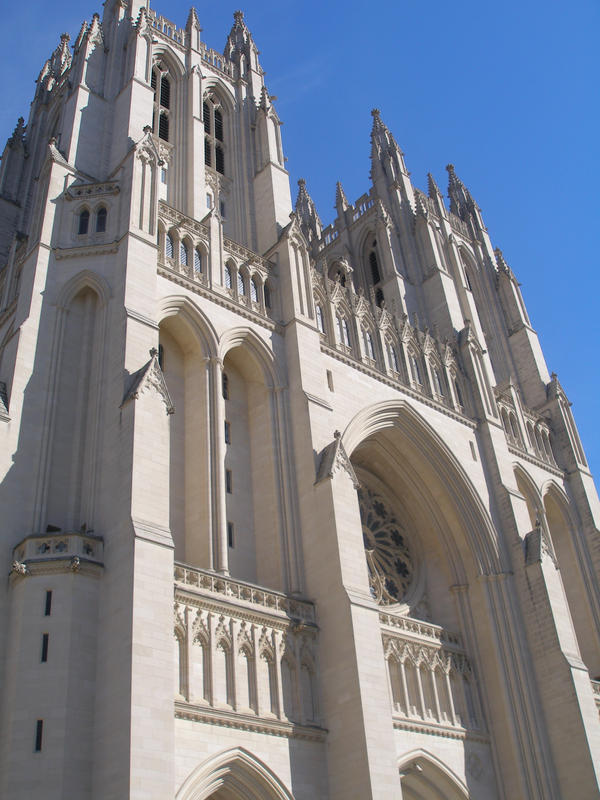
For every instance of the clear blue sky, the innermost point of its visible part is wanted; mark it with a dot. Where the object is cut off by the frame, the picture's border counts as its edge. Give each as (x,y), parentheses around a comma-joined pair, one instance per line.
(508,92)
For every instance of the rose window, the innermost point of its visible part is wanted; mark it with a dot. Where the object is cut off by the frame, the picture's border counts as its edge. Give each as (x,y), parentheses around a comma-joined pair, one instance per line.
(389,558)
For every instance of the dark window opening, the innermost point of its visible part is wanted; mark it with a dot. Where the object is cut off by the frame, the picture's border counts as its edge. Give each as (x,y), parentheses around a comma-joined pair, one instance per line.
(163,127)
(206,115)
(45,639)
(165,92)
(101,220)
(161,356)
(219,160)
(48,606)
(207,154)
(39,730)
(379,297)
(230,534)
(227,432)
(228,481)
(218,125)
(153,83)
(225,386)
(84,221)
(267,291)
(375,276)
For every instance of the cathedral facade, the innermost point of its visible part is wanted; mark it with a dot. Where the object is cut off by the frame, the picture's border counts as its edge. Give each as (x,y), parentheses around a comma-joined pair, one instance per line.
(289,511)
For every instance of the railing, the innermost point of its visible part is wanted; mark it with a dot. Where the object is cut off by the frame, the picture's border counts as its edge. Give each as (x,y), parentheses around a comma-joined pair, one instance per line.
(246,656)
(210,583)
(217,60)
(70,550)
(431,680)
(169,29)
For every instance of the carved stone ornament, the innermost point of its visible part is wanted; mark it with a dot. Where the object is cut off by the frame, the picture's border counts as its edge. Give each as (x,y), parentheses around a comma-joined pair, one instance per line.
(538,546)
(389,558)
(150,376)
(334,458)
(19,568)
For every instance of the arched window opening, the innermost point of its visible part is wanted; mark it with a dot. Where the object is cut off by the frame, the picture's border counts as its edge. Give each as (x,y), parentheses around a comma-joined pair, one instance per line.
(241,286)
(393,356)
(254,290)
(415,369)
(374,264)
(169,246)
(320,320)
(101,220)
(369,346)
(344,331)
(267,296)
(437,381)
(183,254)
(228,278)
(197,260)
(84,221)
(161,85)
(214,139)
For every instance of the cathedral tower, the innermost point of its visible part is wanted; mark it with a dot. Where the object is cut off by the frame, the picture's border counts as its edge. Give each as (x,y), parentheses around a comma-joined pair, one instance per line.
(289,510)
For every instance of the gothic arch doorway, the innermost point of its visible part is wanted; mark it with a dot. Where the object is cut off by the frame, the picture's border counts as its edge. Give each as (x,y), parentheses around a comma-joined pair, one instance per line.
(234,774)
(424,779)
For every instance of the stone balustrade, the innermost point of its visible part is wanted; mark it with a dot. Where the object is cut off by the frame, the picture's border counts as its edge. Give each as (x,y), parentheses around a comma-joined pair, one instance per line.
(58,551)
(432,688)
(246,656)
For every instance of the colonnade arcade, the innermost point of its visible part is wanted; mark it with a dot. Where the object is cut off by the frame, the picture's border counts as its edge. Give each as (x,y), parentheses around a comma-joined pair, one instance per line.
(228,451)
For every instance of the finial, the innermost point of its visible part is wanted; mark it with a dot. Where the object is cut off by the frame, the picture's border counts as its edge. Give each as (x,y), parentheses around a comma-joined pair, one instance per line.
(450,168)
(375,112)
(64,37)
(301,183)
(238,16)
(153,352)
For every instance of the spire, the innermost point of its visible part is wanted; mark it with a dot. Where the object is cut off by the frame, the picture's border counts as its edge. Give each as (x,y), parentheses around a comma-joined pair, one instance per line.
(18,135)
(386,155)
(432,188)
(240,44)
(307,214)
(192,20)
(341,201)
(461,202)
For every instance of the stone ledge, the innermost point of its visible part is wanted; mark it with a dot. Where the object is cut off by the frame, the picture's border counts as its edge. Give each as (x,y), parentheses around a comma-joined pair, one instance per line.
(232,719)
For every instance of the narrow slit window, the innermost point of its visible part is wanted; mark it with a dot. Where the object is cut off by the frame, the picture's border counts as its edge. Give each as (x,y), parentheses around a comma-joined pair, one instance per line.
(228,281)
(230,534)
(183,255)
(228,482)
(84,221)
(218,125)
(219,160)
(253,291)
(168,246)
(48,604)
(45,641)
(165,92)
(101,220)
(197,260)
(39,734)
(227,432)
(163,127)
(225,386)
(241,286)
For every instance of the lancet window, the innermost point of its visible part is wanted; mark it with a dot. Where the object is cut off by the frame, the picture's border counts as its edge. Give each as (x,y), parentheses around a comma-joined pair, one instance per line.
(214,152)
(161,84)
(101,216)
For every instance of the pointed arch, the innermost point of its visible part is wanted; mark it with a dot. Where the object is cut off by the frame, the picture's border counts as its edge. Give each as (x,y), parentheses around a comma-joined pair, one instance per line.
(193,318)
(258,350)
(424,775)
(430,455)
(84,279)
(238,771)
